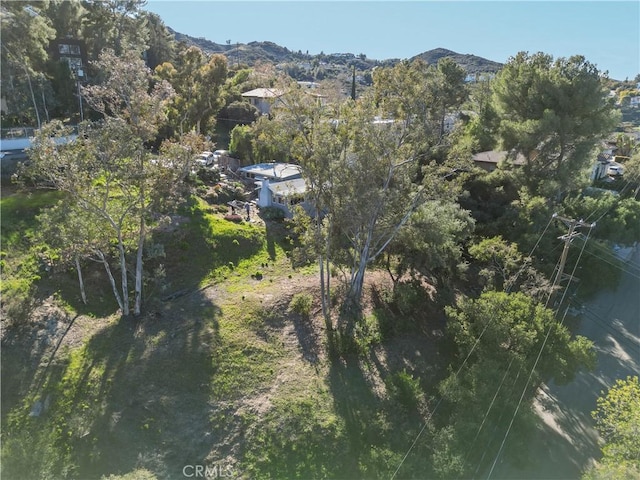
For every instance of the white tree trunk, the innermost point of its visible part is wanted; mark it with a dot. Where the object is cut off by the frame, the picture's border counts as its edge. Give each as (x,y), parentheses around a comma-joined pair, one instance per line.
(357,277)
(137,307)
(111,280)
(80,280)
(123,269)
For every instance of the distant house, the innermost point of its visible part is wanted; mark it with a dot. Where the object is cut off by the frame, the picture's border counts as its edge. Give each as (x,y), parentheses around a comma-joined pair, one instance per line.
(309,85)
(71,51)
(634,101)
(489,160)
(607,167)
(263,98)
(279,185)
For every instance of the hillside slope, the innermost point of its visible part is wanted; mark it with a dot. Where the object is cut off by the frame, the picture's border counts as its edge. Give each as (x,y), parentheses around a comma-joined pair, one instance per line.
(254,52)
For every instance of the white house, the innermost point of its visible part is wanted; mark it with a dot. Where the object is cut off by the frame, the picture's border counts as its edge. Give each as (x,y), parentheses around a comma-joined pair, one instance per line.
(279,185)
(263,98)
(274,172)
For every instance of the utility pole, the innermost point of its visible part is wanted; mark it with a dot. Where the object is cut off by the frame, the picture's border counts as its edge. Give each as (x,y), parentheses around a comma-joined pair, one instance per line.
(567,238)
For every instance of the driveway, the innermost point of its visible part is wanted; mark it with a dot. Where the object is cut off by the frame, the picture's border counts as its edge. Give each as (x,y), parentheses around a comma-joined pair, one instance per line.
(566,442)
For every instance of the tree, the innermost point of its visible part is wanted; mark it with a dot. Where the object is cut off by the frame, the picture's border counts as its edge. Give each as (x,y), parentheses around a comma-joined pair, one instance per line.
(431,243)
(506,344)
(25,39)
(505,268)
(426,92)
(626,145)
(117,25)
(67,17)
(480,129)
(618,421)
(368,214)
(241,143)
(198,81)
(106,171)
(162,45)
(553,113)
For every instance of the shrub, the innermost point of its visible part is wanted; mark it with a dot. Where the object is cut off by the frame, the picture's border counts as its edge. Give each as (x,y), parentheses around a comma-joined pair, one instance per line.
(404,389)
(233,217)
(208,175)
(272,213)
(301,304)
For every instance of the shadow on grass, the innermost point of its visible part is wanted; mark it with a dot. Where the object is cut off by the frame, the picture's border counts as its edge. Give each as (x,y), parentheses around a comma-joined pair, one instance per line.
(277,234)
(135,396)
(380,422)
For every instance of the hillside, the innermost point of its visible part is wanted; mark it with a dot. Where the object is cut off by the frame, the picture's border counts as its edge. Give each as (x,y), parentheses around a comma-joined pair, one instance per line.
(226,374)
(471,63)
(255,52)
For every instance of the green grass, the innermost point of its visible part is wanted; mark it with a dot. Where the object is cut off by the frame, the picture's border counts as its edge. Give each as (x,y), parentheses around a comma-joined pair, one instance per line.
(23,259)
(213,375)
(216,249)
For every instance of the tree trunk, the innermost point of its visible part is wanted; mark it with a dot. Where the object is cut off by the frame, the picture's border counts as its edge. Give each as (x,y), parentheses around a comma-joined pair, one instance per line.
(33,98)
(137,307)
(123,269)
(323,299)
(354,296)
(328,294)
(112,281)
(80,280)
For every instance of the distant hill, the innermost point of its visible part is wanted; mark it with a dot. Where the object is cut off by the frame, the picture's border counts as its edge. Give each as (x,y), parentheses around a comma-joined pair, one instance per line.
(256,52)
(471,63)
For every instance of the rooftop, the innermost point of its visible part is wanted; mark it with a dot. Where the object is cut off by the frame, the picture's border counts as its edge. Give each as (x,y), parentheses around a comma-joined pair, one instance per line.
(273,171)
(494,156)
(289,187)
(263,93)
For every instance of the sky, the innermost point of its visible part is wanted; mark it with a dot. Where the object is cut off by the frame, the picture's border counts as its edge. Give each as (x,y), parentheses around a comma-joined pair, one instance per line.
(607,33)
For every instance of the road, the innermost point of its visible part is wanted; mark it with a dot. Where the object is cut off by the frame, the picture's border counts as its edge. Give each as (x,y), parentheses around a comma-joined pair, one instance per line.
(566,442)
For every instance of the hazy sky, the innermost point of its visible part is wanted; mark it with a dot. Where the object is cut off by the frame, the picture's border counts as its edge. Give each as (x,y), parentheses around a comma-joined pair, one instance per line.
(607,33)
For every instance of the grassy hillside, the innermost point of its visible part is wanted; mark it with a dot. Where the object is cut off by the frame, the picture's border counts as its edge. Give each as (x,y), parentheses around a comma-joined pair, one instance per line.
(221,374)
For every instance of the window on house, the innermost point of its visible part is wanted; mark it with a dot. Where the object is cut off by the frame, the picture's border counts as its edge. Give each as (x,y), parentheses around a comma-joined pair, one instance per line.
(75,64)
(63,49)
(74,49)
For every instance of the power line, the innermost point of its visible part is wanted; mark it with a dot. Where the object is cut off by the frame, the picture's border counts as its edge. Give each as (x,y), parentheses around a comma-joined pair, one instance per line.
(528,258)
(469,354)
(535,364)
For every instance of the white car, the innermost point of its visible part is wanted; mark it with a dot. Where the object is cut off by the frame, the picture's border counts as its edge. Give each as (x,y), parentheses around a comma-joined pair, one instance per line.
(204,159)
(615,170)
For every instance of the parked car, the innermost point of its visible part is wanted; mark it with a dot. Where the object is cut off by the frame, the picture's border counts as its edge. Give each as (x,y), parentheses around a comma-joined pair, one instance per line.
(615,170)
(205,159)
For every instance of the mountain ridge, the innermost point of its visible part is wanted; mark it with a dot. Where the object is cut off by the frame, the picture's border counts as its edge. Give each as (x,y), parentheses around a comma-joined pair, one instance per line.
(267,51)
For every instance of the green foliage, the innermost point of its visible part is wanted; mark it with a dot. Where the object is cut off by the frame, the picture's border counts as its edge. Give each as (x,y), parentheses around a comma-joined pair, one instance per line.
(25,257)
(138,474)
(198,81)
(499,336)
(618,422)
(242,113)
(301,304)
(431,242)
(552,112)
(503,267)
(404,389)
(241,145)
(272,213)
(618,217)
(297,441)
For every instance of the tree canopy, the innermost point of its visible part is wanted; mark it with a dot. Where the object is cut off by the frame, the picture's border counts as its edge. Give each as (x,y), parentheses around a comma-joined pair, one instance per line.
(551,112)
